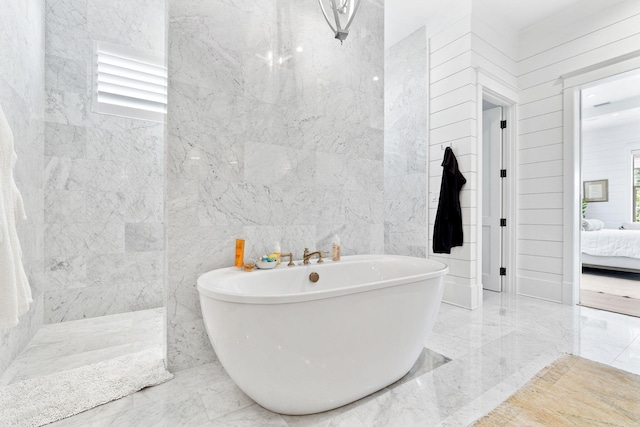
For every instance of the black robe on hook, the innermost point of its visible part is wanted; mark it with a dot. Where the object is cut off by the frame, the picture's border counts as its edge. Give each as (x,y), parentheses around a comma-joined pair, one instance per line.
(447,232)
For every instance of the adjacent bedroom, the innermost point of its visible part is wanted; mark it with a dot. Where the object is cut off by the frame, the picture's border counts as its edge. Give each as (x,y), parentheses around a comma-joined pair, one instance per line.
(610,236)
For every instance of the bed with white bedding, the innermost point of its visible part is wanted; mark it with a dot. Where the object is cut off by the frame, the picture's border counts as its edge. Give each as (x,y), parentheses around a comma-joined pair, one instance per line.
(611,249)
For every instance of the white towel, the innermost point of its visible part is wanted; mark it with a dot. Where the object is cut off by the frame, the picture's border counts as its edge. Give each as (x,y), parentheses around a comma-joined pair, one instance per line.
(15,293)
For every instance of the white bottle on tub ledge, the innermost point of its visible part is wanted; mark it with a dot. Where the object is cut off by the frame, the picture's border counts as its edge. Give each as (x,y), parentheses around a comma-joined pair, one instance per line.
(335,252)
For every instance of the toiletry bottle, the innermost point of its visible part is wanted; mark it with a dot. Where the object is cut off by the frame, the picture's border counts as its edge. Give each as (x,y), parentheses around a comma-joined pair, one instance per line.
(335,253)
(277,252)
(239,253)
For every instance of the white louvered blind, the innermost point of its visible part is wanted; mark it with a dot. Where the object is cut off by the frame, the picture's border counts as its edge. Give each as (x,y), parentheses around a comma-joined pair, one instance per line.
(130,83)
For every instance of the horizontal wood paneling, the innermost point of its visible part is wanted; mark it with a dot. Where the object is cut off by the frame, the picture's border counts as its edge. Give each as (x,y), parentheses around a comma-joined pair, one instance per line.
(540,201)
(540,138)
(453,114)
(588,58)
(541,154)
(601,37)
(453,82)
(452,66)
(456,130)
(574,24)
(456,97)
(549,290)
(540,170)
(541,185)
(447,36)
(541,217)
(454,49)
(550,264)
(540,107)
(540,122)
(540,232)
(540,248)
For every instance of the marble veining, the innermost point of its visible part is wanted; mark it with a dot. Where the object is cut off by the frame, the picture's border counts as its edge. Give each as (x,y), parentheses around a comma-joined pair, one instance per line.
(274,134)
(405,147)
(103,174)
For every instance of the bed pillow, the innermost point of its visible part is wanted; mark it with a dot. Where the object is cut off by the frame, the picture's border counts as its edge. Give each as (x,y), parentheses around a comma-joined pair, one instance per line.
(592,224)
(630,226)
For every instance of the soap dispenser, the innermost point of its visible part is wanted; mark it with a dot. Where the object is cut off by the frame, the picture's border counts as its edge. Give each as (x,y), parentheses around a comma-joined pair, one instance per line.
(335,252)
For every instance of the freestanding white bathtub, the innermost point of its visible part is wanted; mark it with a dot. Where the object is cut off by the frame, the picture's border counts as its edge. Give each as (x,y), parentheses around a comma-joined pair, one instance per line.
(297,347)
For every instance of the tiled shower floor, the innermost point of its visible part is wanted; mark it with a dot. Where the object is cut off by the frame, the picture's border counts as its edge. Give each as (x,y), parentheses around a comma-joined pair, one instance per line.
(61,346)
(493,351)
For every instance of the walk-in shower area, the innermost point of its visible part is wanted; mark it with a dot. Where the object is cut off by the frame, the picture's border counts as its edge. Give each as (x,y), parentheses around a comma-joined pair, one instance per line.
(86,98)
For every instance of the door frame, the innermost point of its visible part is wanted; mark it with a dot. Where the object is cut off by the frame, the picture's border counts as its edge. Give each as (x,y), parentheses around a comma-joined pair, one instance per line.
(497,211)
(572,85)
(505,96)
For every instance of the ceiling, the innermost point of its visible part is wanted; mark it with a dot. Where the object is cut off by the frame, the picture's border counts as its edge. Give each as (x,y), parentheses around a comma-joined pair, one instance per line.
(612,102)
(402,17)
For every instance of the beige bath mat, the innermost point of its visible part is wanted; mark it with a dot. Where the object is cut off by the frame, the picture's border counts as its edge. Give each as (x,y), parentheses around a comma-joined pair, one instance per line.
(572,391)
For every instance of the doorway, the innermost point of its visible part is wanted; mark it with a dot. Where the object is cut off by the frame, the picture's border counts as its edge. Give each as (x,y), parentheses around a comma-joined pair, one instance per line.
(609,278)
(493,218)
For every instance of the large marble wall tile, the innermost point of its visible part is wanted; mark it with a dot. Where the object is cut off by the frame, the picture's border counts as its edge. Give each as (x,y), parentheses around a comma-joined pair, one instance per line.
(62,140)
(140,207)
(104,173)
(66,14)
(61,239)
(63,206)
(143,237)
(138,24)
(67,74)
(260,240)
(188,345)
(275,133)
(195,250)
(405,147)
(121,268)
(66,107)
(62,304)
(105,206)
(66,272)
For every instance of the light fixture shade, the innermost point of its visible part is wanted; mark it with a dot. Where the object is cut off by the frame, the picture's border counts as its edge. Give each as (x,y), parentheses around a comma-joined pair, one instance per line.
(342,13)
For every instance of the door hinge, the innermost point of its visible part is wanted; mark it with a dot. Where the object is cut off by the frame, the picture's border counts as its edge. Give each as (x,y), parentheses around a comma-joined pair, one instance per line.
(503,271)
(503,124)
(503,173)
(503,222)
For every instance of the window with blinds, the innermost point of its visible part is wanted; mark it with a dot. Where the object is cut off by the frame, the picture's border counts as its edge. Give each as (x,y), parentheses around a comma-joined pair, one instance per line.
(129,83)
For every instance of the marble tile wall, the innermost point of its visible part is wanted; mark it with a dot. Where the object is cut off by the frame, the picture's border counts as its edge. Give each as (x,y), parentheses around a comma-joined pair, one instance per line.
(275,133)
(22,100)
(405,146)
(104,174)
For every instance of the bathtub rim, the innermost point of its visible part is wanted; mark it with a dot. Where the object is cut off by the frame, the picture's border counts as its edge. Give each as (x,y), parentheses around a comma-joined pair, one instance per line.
(205,289)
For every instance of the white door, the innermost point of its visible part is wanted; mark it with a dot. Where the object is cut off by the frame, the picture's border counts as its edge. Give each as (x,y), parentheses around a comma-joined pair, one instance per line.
(491,199)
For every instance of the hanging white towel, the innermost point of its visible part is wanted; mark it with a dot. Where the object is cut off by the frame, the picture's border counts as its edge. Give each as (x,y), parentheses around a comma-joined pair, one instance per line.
(15,293)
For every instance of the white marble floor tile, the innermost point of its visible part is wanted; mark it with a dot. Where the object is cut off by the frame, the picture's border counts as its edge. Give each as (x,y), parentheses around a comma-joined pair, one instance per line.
(68,345)
(494,351)
(629,359)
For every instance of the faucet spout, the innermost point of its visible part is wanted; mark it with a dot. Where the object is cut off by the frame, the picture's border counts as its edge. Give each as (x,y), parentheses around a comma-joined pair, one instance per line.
(308,255)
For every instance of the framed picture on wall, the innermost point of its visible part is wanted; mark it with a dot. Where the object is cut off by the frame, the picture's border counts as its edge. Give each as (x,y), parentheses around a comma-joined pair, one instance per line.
(596,191)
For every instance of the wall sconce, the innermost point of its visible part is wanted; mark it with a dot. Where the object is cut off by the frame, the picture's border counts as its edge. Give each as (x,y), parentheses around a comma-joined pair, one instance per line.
(343,11)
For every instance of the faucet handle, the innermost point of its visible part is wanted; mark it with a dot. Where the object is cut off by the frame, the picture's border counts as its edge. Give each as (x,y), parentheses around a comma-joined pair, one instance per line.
(290,255)
(306,252)
(321,255)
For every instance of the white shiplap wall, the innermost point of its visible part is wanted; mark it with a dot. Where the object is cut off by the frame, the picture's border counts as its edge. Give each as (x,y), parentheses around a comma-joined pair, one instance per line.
(457,53)
(573,40)
(453,121)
